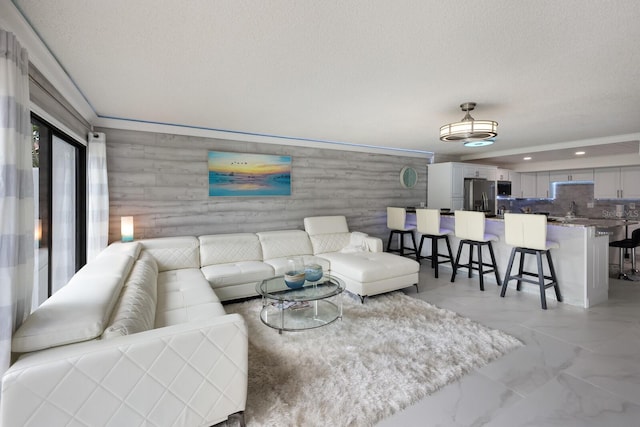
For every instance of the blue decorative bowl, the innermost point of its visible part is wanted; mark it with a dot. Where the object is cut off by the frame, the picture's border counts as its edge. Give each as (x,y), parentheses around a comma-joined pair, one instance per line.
(313,272)
(294,279)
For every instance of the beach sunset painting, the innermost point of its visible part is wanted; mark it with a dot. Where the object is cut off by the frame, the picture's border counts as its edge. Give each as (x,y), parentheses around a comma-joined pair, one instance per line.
(241,174)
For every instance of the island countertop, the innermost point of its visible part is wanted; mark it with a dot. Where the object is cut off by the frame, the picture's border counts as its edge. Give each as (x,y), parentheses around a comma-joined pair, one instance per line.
(599,223)
(581,261)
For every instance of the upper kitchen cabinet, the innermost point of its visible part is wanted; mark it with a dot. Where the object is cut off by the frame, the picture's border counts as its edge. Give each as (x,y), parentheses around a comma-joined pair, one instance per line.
(617,183)
(533,185)
(542,184)
(480,171)
(571,175)
(527,185)
(504,175)
(516,187)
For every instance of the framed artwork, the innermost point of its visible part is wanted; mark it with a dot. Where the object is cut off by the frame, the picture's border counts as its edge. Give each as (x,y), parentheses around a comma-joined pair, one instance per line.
(242,174)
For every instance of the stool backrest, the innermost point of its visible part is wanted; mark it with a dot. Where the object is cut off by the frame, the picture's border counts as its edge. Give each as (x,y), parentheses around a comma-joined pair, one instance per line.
(469,225)
(526,230)
(428,221)
(396,218)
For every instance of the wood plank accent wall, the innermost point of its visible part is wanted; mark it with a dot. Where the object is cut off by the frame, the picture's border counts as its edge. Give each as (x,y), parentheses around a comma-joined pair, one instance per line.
(162,181)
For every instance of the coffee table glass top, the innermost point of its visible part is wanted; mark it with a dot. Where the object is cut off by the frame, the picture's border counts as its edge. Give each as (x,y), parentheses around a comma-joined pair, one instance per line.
(313,305)
(276,289)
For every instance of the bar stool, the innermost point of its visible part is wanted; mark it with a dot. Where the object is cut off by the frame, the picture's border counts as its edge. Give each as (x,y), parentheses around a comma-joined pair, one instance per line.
(470,230)
(428,221)
(624,244)
(396,218)
(528,234)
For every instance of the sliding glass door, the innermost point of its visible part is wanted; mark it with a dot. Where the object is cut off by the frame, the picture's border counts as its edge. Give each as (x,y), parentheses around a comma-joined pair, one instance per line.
(59,176)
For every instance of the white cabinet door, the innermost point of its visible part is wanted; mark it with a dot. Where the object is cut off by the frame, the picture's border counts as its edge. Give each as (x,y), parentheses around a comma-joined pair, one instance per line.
(582,175)
(559,176)
(571,175)
(542,184)
(528,184)
(503,175)
(490,173)
(457,181)
(516,188)
(439,185)
(457,204)
(479,171)
(630,182)
(606,183)
(471,171)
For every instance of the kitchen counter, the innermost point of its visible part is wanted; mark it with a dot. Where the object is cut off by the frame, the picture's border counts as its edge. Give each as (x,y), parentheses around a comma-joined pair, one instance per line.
(598,223)
(581,261)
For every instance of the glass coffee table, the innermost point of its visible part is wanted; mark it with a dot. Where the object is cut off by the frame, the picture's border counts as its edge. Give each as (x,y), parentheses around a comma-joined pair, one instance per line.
(313,305)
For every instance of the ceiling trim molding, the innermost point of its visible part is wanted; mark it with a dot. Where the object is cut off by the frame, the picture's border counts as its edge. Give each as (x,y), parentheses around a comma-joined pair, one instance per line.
(12,20)
(614,139)
(204,132)
(616,160)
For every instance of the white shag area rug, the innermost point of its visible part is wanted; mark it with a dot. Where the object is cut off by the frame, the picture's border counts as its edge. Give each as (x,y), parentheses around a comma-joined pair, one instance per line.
(381,357)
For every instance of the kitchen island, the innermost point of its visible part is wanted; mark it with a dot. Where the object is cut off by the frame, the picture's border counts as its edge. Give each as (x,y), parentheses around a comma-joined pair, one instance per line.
(581,261)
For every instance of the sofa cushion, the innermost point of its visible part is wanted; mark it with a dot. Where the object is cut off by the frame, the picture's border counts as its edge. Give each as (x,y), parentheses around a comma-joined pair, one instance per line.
(371,266)
(327,233)
(286,243)
(226,248)
(185,296)
(237,273)
(172,253)
(330,242)
(326,225)
(136,308)
(79,311)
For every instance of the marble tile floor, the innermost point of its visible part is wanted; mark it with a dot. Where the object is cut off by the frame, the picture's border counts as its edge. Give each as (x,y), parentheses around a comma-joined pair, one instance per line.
(578,367)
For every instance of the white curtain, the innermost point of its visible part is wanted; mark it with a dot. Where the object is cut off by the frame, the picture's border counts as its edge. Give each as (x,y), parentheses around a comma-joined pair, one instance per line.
(16,193)
(63,213)
(97,195)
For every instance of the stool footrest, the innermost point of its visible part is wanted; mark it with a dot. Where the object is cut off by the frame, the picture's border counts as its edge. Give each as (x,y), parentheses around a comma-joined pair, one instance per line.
(540,277)
(535,282)
(476,265)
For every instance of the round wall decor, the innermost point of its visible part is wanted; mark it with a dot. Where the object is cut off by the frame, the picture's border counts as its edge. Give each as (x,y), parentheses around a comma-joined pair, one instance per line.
(408,177)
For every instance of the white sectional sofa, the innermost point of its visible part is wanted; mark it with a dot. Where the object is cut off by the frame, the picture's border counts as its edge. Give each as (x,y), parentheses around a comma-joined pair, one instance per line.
(139,335)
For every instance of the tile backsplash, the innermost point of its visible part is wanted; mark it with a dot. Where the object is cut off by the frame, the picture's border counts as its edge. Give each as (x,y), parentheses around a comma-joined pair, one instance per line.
(582,195)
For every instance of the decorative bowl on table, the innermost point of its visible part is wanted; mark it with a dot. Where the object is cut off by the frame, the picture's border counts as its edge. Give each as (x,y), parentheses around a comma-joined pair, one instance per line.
(313,272)
(294,279)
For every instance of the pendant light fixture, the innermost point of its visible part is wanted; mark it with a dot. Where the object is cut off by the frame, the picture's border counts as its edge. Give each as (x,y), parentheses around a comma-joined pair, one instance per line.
(474,133)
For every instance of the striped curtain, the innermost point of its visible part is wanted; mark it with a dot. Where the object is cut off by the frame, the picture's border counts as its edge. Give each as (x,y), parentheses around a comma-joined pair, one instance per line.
(17,243)
(98,195)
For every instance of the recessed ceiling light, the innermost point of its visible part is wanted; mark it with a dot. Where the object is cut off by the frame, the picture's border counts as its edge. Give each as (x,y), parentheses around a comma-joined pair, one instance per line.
(579,153)
(526,158)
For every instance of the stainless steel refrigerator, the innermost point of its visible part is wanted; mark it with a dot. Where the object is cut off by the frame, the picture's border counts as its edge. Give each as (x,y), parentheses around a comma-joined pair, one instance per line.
(479,195)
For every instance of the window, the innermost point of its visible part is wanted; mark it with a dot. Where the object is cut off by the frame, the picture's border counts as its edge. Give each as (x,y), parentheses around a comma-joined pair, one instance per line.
(59,171)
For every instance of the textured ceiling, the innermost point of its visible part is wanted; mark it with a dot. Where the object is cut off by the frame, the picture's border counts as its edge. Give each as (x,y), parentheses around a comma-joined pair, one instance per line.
(380,73)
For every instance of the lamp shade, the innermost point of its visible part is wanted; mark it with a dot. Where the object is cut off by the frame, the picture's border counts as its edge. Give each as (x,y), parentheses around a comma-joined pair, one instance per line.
(468,129)
(126,228)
